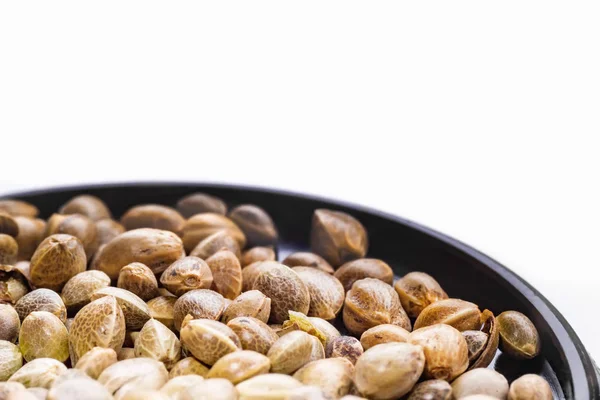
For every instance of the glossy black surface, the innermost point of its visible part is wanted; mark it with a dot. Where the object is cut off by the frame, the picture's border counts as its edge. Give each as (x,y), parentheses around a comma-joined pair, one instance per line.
(462,271)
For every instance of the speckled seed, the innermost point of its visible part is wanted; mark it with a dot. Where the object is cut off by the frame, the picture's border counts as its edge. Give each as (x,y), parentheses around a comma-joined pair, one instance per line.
(434,389)
(259,253)
(132,375)
(530,387)
(333,376)
(389,371)
(459,314)
(96,360)
(200,303)
(285,289)
(8,224)
(337,237)
(480,381)
(10,360)
(254,334)
(41,300)
(325,291)
(78,226)
(41,372)
(135,311)
(98,324)
(201,226)
(139,280)
(108,229)
(347,347)
(227,274)
(43,335)
(9,249)
(154,248)
(252,303)
(417,290)
(256,224)
(215,242)
(153,216)
(158,342)
(78,388)
(211,389)
(251,272)
(10,324)
(186,274)
(518,336)
(445,350)
(88,205)
(362,268)
(238,366)
(197,203)
(372,302)
(175,386)
(79,289)
(290,352)
(209,340)
(162,309)
(57,259)
(268,386)
(384,333)
(31,233)
(307,259)
(18,207)
(126,353)
(188,366)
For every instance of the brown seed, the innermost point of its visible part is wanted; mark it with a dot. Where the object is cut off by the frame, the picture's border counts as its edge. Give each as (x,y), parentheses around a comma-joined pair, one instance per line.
(347,347)
(208,340)
(285,289)
(433,389)
(9,249)
(417,290)
(227,274)
(98,324)
(201,226)
(10,361)
(445,351)
(18,207)
(188,366)
(162,309)
(153,216)
(108,229)
(215,242)
(158,342)
(133,375)
(41,300)
(333,376)
(518,336)
(326,292)
(198,203)
(372,302)
(200,303)
(8,225)
(254,334)
(88,205)
(139,280)
(135,311)
(258,253)
(238,366)
(291,352)
(306,259)
(79,226)
(96,360)
(459,314)
(337,237)
(13,285)
(252,303)
(41,372)
(490,327)
(152,247)
(362,268)
(251,272)
(31,233)
(404,364)
(256,224)
(384,333)
(530,387)
(10,324)
(43,335)
(186,274)
(78,290)
(57,259)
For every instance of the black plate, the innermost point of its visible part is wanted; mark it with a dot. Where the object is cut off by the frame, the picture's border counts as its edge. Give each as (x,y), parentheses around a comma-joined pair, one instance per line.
(407,246)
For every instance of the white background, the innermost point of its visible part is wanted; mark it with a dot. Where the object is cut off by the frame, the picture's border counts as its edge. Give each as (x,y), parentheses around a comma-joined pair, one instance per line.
(480,120)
